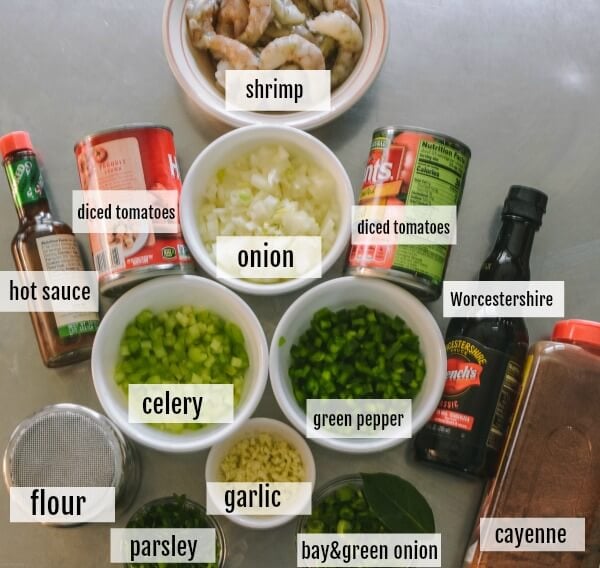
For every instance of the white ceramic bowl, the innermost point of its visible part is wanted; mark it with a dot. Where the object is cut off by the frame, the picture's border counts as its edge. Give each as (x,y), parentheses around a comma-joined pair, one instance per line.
(243,140)
(350,292)
(163,294)
(195,71)
(251,428)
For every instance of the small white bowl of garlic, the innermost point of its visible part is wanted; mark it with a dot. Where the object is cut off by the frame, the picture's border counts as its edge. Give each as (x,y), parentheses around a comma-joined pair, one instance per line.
(266,181)
(203,38)
(266,452)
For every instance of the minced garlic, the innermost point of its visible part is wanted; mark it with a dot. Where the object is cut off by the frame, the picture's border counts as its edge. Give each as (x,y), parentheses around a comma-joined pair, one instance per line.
(262,458)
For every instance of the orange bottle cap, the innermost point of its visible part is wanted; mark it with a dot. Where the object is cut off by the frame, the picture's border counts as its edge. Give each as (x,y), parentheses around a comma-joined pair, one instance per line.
(577,331)
(18,140)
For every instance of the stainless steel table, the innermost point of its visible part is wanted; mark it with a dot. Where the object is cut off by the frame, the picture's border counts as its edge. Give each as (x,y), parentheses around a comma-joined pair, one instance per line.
(519,81)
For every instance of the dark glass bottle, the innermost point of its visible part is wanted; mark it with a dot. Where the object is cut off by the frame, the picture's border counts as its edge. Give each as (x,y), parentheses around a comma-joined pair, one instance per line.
(485,356)
(43,243)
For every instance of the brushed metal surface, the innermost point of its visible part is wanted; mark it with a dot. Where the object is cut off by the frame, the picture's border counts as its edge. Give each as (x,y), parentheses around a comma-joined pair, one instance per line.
(518,81)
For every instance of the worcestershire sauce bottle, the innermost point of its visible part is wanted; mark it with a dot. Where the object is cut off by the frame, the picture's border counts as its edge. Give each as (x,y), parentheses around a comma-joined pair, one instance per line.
(485,356)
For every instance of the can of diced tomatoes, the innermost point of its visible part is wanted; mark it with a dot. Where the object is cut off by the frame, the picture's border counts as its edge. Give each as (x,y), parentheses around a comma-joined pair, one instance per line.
(132,157)
(410,166)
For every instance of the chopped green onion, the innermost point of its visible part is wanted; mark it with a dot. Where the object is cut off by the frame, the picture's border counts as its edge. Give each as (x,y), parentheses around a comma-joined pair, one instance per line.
(344,511)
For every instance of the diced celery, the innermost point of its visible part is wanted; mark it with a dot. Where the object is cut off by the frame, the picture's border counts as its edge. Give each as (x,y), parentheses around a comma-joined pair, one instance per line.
(184,345)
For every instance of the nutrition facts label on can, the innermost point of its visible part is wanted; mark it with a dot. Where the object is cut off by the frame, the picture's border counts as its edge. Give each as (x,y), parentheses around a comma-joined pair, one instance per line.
(424,260)
(437,176)
(437,179)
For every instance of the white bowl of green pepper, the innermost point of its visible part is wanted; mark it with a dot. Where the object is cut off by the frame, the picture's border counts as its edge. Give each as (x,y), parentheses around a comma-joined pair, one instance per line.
(179,329)
(357,338)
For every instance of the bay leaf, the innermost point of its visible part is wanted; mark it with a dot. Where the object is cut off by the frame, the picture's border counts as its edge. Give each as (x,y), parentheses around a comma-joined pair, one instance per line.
(398,504)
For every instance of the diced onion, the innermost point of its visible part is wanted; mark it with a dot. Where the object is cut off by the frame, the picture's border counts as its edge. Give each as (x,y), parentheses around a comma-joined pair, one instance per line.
(270,191)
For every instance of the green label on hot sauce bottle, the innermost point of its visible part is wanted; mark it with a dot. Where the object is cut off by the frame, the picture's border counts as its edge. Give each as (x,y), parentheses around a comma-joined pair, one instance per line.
(78,328)
(25,180)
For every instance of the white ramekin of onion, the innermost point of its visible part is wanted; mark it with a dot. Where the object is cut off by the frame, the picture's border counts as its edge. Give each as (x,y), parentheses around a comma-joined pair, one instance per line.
(266,181)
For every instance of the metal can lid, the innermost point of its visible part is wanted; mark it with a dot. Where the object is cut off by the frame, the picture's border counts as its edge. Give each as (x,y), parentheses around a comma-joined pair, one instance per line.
(65,445)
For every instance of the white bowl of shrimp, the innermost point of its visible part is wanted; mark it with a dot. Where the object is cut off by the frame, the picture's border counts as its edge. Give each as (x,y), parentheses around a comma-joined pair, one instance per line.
(262,181)
(204,38)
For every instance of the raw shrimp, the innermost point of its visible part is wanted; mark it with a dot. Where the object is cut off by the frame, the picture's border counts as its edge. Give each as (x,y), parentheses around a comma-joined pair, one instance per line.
(287,13)
(344,63)
(237,55)
(327,45)
(304,32)
(233,17)
(349,7)
(304,7)
(275,30)
(291,49)
(340,27)
(200,15)
(346,32)
(261,13)
(222,67)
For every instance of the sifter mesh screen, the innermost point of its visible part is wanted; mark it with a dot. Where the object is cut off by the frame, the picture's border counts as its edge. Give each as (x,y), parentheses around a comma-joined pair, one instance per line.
(64,448)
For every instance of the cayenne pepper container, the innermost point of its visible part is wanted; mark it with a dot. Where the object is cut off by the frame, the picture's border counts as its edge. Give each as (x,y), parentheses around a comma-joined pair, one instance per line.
(132,157)
(409,166)
(551,464)
(44,243)
(485,356)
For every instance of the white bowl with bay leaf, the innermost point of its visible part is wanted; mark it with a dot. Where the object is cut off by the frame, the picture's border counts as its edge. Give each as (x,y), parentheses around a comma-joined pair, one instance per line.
(266,181)
(377,503)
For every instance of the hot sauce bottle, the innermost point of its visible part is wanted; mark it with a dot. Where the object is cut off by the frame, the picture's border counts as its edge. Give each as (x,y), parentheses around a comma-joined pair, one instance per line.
(485,356)
(44,243)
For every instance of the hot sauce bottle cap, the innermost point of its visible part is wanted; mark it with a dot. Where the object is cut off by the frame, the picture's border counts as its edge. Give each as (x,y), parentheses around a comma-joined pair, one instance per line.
(13,141)
(525,202)
(580,332)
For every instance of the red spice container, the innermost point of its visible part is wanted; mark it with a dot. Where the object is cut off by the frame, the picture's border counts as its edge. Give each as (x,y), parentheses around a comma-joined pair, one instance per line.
(551,463)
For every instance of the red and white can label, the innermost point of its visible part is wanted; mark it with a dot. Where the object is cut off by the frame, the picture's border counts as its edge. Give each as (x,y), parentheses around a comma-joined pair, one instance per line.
(133,158)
